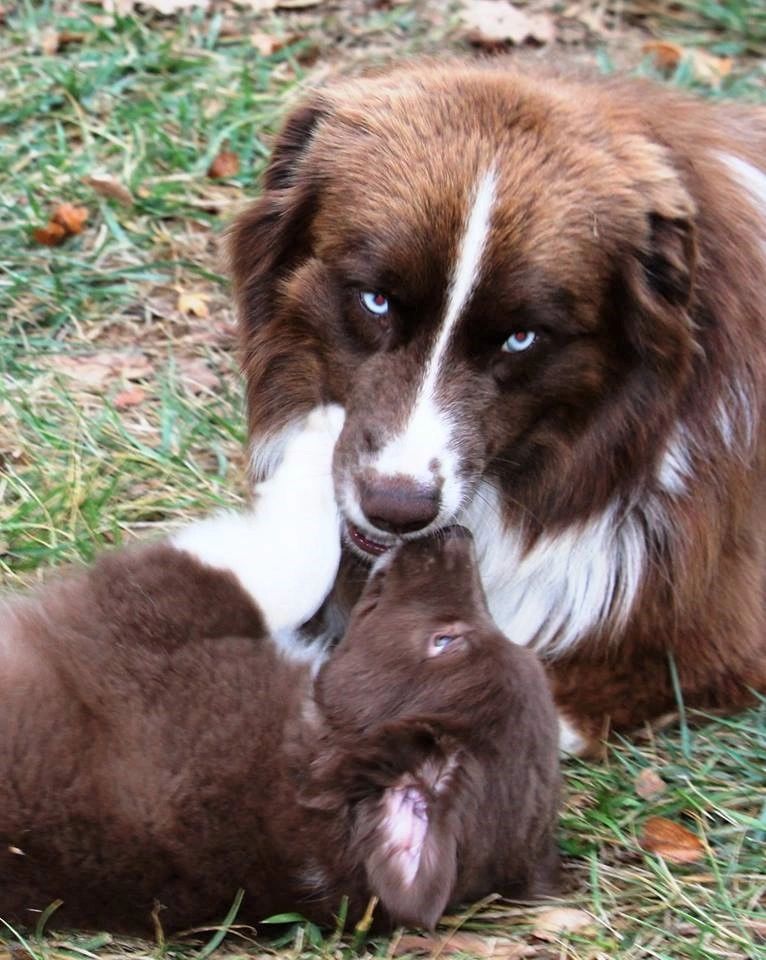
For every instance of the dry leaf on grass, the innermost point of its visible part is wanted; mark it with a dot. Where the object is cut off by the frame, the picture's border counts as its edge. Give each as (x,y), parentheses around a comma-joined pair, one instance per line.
(226,164)
(195,375)
(493,948)
(65,221)
(257,6)
(649,784)
(705,67)
(552,925)
(193,303)
(493,23)
(266,44)
(51,235)
(70,217)
(671,841)
(107,186)
(129,398)
(166,7)
(50,41)
(97,370)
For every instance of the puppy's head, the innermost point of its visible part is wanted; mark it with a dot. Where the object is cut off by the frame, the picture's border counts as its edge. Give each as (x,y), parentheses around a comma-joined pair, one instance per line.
(489,273)
(440,739)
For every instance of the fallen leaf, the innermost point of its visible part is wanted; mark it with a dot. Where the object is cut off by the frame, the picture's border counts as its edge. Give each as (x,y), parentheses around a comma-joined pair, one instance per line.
(493,23)
(671,841)
(168,7)
(266,44)
(107,186)
(551,925)
(258,6)
(649,784)
(50,41)
(196,375)
(193,303)
(296,4)
(129,398)
(70,36)
(71,218)
(226,164)
(495,948)
(51,235)
(705,67)
(97,370)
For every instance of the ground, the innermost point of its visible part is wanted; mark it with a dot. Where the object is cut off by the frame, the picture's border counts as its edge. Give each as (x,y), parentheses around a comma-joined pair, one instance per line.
(121,411)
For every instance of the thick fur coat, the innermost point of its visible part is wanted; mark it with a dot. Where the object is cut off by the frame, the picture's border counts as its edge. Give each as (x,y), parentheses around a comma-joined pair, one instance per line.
(166,737)
(540,302)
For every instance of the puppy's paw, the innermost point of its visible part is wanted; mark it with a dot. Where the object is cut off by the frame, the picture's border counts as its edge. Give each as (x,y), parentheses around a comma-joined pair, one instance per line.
(309,449)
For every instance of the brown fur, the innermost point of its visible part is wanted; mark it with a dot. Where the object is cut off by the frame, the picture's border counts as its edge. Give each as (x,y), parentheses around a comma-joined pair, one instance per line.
(156,747)
(621,235)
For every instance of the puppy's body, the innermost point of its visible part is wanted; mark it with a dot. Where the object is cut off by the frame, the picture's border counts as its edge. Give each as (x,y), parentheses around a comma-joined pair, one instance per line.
(165,738)
(540,302)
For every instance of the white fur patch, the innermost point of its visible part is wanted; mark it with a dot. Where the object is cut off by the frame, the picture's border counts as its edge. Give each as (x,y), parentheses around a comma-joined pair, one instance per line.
(404,827)
(293,646)
(266,452)
(568,584)
(285,552)
(570,741)
(748,176)
(675,468)
(427,437)
(735,418)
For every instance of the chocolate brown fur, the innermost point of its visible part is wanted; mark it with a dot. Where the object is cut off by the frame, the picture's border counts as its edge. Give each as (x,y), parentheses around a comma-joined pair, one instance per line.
(623,235)
(156,747)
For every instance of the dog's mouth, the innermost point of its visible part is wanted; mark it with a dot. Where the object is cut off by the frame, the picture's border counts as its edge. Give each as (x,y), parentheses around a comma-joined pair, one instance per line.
(365,544)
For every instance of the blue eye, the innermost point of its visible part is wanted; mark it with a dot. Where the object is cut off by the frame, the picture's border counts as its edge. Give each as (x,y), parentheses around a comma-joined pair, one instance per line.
(442,641)
(519,341)
(374,302)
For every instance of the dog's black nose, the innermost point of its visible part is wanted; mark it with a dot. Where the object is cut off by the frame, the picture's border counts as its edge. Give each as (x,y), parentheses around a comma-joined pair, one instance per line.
(398,504)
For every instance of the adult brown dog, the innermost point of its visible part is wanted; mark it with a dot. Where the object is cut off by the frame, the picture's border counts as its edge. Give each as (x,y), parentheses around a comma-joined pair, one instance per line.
(161,742)
(541,303)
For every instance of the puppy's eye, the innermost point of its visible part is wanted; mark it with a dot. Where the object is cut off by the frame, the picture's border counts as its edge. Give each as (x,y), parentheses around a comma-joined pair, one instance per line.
(440,642)
(374,302)
(519,341)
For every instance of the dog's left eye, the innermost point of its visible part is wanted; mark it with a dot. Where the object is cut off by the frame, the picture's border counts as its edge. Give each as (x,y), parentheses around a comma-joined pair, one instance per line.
(519,341)
(375,302)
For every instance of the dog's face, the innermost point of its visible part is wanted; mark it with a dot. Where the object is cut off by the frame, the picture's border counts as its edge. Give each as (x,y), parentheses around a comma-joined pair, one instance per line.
(441,738)
(489,274)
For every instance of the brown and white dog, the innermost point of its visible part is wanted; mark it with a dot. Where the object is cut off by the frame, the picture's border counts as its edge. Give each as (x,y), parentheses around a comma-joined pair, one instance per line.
(159,745)
(541,303)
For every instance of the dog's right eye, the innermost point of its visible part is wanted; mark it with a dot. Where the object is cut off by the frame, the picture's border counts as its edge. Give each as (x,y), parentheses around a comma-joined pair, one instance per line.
(375,302)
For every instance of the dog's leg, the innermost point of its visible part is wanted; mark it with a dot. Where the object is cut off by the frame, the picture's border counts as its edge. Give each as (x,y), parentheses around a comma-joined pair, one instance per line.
(285,551)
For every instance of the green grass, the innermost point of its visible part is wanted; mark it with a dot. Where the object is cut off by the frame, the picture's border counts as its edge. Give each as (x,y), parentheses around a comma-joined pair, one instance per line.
(151,101)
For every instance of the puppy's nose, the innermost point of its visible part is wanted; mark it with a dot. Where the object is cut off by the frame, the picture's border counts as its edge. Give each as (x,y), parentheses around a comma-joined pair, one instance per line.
(398,504)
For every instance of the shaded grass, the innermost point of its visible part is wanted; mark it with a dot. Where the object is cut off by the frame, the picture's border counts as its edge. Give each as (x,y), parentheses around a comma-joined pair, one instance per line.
(151,101)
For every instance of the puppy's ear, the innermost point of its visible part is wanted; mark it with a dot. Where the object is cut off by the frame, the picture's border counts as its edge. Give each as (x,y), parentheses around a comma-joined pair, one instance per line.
(410,836)
(404,786)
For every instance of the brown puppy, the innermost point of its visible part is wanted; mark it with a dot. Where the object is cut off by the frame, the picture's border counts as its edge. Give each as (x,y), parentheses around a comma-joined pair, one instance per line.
(540,302)
(157,745)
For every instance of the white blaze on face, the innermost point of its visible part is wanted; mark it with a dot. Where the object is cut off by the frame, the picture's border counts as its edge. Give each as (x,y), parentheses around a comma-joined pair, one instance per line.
(427,436)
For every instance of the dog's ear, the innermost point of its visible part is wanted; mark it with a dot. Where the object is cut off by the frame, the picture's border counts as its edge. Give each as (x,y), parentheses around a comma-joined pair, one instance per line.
(404,786)
(265,244)
(270,237)
(660,276)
